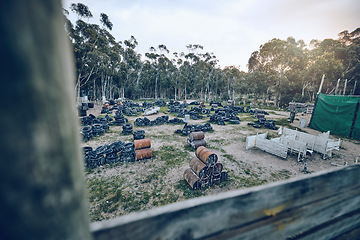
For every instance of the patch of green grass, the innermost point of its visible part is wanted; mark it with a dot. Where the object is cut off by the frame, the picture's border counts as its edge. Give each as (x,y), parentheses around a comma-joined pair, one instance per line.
(282,174)
(188,192)
(249,180)
(166,198)
(149,178)
(171,155)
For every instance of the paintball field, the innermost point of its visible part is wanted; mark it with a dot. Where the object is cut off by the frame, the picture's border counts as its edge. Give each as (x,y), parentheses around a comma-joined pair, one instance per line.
(122,188)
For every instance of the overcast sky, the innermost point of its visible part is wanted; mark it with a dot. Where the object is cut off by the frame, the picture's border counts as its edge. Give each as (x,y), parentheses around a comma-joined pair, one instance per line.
(231,29)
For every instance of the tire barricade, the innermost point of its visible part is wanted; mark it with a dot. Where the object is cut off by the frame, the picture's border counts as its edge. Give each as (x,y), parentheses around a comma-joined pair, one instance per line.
(196,139)
(120,120)
(109,154)
(270,124)
(226,114)
(141,122)
(93,126)
(204,170)
(187,129)
(139,134)
(127,129)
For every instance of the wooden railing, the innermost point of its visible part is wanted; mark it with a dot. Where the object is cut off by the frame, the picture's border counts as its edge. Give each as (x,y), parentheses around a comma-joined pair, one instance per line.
(318,206)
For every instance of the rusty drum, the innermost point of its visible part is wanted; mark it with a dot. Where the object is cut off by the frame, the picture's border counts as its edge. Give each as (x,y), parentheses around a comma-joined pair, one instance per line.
(219,166)
(196,136)
(198,167)
(206,155)
(142,143)
(145,153)
(192,179)
(197,143)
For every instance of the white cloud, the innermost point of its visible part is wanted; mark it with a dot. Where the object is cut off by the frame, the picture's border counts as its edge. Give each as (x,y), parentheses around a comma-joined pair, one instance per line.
(232,29)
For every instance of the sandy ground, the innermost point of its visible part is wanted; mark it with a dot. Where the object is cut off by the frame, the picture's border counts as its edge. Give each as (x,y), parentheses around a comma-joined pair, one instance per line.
(245,167)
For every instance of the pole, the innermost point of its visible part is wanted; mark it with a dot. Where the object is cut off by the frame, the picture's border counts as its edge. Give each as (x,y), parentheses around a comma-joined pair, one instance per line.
(345,87)
(321,84)
(337,86)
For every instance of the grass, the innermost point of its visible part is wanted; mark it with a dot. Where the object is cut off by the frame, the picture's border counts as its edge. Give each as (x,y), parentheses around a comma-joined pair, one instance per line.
(171,155)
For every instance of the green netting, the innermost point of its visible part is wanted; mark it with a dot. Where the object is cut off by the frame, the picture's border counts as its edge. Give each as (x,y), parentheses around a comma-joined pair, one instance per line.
(336,113)
(356,130)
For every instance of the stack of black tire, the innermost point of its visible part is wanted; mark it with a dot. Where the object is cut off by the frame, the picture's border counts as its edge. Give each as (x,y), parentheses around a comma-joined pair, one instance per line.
(223,115)
(160,103)
(104,123)
(86,133)
(128,153)
(140,122)
(270,124)
(139,134)
(176,121)
(148,104)
(109,154)
(97,129)
(120,120)
(94,158)
(194,128)
(127,129)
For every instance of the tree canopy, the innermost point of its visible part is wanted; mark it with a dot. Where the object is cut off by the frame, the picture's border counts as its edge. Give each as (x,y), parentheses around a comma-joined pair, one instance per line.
(280,70)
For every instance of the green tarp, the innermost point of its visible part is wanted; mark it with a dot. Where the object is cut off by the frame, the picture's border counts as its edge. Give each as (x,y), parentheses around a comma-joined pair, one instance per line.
(337,114)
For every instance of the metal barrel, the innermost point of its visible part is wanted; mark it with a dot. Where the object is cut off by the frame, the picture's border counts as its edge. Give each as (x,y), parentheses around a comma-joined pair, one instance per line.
(219,166)
(196,136)
(199,149)
(198,167)
(145,153)
(223,176)
(206,155)
(197,143)
(216,178)
(192,179)
(142,143)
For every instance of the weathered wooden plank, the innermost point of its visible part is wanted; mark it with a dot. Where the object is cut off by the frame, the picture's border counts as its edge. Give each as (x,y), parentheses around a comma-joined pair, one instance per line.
(307,205)
(313,217)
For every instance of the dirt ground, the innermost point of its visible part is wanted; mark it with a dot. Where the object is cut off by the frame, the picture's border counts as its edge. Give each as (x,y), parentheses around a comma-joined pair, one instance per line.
(146,184)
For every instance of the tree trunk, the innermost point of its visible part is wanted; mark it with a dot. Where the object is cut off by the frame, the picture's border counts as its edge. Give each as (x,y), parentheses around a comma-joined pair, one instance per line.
(43,195)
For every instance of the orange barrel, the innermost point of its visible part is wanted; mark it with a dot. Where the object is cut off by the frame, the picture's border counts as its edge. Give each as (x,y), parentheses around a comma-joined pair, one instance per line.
(198,167)
(142,143)
(196,136)
(197,143)
(206,155)
(192,179)
(199,149)
(145,153)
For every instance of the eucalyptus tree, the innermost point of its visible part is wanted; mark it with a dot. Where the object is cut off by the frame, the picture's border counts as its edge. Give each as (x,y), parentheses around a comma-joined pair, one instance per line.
(278,57)
(130,67)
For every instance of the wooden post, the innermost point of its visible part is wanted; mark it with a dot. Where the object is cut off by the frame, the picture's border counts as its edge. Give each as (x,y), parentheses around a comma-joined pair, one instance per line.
(337,86)
(42,190)
(321,84)
(345,87)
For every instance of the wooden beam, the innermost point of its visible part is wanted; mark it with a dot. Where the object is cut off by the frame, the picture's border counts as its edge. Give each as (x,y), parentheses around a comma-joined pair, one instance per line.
(320,206)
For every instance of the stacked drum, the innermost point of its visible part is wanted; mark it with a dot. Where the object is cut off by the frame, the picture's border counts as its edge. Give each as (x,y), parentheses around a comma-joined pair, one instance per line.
(205,170)
(196,139)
